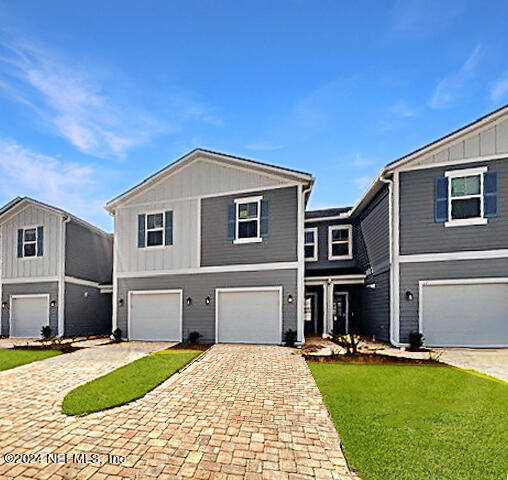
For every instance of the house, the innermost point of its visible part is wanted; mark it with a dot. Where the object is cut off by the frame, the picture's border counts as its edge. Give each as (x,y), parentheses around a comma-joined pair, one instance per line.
(214,244)
(55,269)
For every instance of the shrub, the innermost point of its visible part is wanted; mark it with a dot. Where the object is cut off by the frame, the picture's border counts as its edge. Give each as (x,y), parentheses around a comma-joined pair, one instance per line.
(290,337)
(416,340)
(194,337)
(117,335)
(46,332)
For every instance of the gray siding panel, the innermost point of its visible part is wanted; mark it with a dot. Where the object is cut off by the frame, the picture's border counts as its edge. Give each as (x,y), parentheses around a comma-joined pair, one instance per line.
(412,273)
(375,308)
(88,255)
(420,234)
(9,289)
(201,317)
(279,246)
(86,315)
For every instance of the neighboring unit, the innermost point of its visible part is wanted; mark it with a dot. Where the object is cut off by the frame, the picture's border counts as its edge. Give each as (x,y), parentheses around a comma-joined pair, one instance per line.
(55,270)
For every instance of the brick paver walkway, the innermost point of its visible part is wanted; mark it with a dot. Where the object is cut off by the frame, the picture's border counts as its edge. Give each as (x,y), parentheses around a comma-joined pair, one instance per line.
(239,412)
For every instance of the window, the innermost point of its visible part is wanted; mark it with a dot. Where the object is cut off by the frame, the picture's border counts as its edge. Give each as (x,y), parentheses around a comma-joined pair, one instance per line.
(247,226)
(310,244)
(340,242)
(154,229)
(30,242)
(465,196)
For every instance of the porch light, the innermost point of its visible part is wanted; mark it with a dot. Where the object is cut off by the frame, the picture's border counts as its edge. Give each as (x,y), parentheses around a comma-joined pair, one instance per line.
(4,305)
(290,298)
(188,301)
(208,300)
(53,303)
(120,302)
(409,296)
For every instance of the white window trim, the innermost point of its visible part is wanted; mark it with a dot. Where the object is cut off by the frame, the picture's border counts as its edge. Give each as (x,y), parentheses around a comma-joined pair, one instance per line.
(156,229)
(241,201)
(24,257)
(467,172)
(349,228)
(315,244)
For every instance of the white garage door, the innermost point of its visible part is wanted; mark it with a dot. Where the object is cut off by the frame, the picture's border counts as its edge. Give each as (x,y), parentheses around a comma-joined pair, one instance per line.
(249,315)
(156,315)
(465,315)
(28,314)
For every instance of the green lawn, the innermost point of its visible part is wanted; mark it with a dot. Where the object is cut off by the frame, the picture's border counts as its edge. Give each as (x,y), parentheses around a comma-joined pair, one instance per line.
(10,357)
(417,422)
(126,383)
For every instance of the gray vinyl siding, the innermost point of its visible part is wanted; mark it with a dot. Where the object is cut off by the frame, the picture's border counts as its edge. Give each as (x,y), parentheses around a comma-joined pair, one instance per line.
(86,315)
(412,273)
(375,308)
(420,234)
(44,266)
(279,246)
(201,317)
(89,255)
(9,289)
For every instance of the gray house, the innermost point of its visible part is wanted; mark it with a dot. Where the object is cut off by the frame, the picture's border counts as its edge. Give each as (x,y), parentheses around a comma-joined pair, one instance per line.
(55,269)
(214,244)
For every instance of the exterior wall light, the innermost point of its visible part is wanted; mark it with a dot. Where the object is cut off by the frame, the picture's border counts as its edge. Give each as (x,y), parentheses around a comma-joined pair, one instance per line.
(4,305)
(290,298)
(53,303)
(121,302)
(409,296)
(188,301)
(208,300)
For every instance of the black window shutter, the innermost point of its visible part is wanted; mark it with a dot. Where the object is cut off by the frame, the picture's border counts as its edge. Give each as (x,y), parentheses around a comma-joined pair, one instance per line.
(20,243)
(168,228)
(490,194)
(231,221)
(264,220)
(141,230)
(441,200)
(40,241)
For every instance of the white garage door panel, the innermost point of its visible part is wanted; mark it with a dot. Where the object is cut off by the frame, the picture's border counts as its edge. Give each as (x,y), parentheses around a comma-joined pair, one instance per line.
(155,316)
(249,316)
(28,315)
(465,315)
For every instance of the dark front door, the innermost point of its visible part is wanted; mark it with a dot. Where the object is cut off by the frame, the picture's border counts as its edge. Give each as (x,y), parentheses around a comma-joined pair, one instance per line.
(310,314)
(339,313)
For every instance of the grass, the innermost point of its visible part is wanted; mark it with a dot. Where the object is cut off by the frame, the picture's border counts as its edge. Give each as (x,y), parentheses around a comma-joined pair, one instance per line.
(127,383)
(417,422)
(10,357)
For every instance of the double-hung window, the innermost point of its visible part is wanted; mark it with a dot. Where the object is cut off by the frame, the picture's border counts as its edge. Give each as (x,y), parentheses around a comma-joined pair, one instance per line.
(340,242)
(310,244)
(248,217)
(154,229)
(29,242)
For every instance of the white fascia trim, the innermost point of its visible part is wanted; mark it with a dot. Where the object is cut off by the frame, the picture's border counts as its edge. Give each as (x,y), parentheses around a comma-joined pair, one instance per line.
(80,281)
(452,163)
(154,292)
(53,278)
(451,256)
(218,291)
(254,267)
(349,228)
(342,216)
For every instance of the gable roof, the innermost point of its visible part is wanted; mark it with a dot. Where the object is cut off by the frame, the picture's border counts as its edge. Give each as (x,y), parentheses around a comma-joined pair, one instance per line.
(289,173)
(18,201)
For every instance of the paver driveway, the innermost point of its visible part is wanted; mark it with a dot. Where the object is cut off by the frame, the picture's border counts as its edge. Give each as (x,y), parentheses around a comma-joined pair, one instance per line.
(237,412)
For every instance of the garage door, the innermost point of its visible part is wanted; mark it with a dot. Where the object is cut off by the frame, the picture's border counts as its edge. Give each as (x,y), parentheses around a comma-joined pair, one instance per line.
(249,315)
(28,314)
(156,315)
(465,315)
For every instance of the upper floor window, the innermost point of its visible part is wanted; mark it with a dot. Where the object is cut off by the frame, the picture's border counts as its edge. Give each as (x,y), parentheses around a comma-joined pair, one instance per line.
(248,220)
(310,246)
(340,242)
(466,197)
(155,229)
(30,242)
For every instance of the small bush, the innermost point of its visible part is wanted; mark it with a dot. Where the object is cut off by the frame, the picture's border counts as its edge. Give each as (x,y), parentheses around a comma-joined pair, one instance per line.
(194,337)
(117,335)
(290,337)
(46,332)
(415,340)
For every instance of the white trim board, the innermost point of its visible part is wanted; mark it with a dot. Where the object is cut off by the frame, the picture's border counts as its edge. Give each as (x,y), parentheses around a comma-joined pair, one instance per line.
(7,281)
(27,295)
(253,267)
(452,256)
(80,281)
(153,292)
(277,288)
(342,216)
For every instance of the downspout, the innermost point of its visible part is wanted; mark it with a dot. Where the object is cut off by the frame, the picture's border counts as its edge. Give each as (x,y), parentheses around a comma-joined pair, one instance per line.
(389,182)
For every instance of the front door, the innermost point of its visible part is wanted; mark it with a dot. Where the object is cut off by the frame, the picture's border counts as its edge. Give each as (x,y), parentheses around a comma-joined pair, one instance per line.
(310,314)
(340,310)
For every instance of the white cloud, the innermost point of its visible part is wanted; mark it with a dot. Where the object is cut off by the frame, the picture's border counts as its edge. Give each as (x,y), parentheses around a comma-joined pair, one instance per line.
(263,146)
(360,161)
(362,182)
(401,109)
(499,89)
(423,17)
(451,87)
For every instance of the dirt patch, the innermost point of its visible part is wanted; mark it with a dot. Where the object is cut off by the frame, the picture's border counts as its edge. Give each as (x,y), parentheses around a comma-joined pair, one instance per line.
(191,346)
(64,348)
(370,359)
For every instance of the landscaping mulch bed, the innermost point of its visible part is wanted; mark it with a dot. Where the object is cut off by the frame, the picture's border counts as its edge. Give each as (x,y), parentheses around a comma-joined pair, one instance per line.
(370,358)
(203,347)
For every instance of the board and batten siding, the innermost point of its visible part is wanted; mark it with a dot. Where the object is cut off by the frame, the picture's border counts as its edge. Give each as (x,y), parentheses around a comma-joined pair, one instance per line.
(279,245)
(412,273)
(44,266)
(420,234)
(182,254)
(201,317)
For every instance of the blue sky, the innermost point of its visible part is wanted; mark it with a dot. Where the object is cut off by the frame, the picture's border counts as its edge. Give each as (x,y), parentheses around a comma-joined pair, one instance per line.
(95,96)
